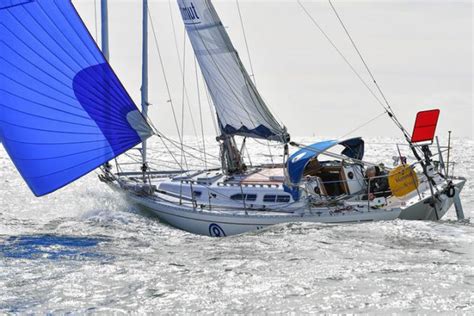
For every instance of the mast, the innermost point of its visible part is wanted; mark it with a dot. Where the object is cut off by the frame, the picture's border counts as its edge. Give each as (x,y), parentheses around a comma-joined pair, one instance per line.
(231,157)
(104,16)
(104,29)
(144,88)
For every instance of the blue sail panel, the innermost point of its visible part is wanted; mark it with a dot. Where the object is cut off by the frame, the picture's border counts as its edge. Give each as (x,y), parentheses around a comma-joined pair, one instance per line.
(63,111)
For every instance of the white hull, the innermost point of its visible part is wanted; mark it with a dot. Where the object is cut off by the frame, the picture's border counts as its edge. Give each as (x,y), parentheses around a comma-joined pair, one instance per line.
(229,222)
(423,211)
(222,222)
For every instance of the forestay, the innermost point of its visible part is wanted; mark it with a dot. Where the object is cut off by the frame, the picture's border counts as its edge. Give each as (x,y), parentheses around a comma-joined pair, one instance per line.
(240,108)
(63,111)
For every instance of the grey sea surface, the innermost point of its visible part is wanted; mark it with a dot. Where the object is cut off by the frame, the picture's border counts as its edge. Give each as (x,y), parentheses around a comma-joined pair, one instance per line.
(85,249)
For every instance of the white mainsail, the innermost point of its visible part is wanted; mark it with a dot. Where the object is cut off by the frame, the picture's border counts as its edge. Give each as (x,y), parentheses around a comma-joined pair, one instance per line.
(240,108)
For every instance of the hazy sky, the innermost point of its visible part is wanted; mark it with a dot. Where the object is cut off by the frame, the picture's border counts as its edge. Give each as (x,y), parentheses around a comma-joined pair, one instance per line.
(419,51)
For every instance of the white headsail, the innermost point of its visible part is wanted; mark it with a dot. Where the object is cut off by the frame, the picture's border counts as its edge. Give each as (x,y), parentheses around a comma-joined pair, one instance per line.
(240,108)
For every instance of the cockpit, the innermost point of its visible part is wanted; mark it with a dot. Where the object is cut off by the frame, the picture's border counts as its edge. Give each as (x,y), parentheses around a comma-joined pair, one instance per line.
(332,175)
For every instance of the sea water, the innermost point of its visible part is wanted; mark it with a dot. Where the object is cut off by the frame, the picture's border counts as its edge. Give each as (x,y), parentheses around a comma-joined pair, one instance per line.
(85,249)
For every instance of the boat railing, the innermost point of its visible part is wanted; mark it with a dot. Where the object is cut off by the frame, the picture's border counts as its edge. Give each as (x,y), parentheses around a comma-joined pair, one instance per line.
(364,193)
(367,183)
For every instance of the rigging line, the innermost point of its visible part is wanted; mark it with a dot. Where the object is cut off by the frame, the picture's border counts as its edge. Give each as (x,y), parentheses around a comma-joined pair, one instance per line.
(252,75)
(332,155)
(186,152)
(212,108)
(250,62)
(170,100)
(231,49)
(224,79)
(169,151)
(268,143)
(360,55)
(185,90)
(172,165)
(259,104)
(270,152)
(162,163)
(339,52)
(175,144)
(178,146)
(183,71)
(364,124)
(181,66)
(243,150)
(248,156)
(390,110)
(200,110)
(246,43)
(138,160)
(183,156)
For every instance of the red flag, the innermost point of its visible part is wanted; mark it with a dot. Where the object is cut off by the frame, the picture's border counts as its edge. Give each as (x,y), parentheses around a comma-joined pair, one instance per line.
(425,126)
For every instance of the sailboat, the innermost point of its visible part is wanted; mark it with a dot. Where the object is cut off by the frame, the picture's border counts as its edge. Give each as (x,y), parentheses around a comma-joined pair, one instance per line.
(65,113)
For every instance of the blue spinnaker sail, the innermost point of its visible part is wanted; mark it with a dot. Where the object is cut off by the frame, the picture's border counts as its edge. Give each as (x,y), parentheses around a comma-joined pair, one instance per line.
(63,111)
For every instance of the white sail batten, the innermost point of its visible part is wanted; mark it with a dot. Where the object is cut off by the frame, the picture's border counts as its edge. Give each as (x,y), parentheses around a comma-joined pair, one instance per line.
(240,109)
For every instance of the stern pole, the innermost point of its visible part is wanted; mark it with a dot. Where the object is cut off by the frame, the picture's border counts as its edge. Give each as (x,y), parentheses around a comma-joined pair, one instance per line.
(458,205)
